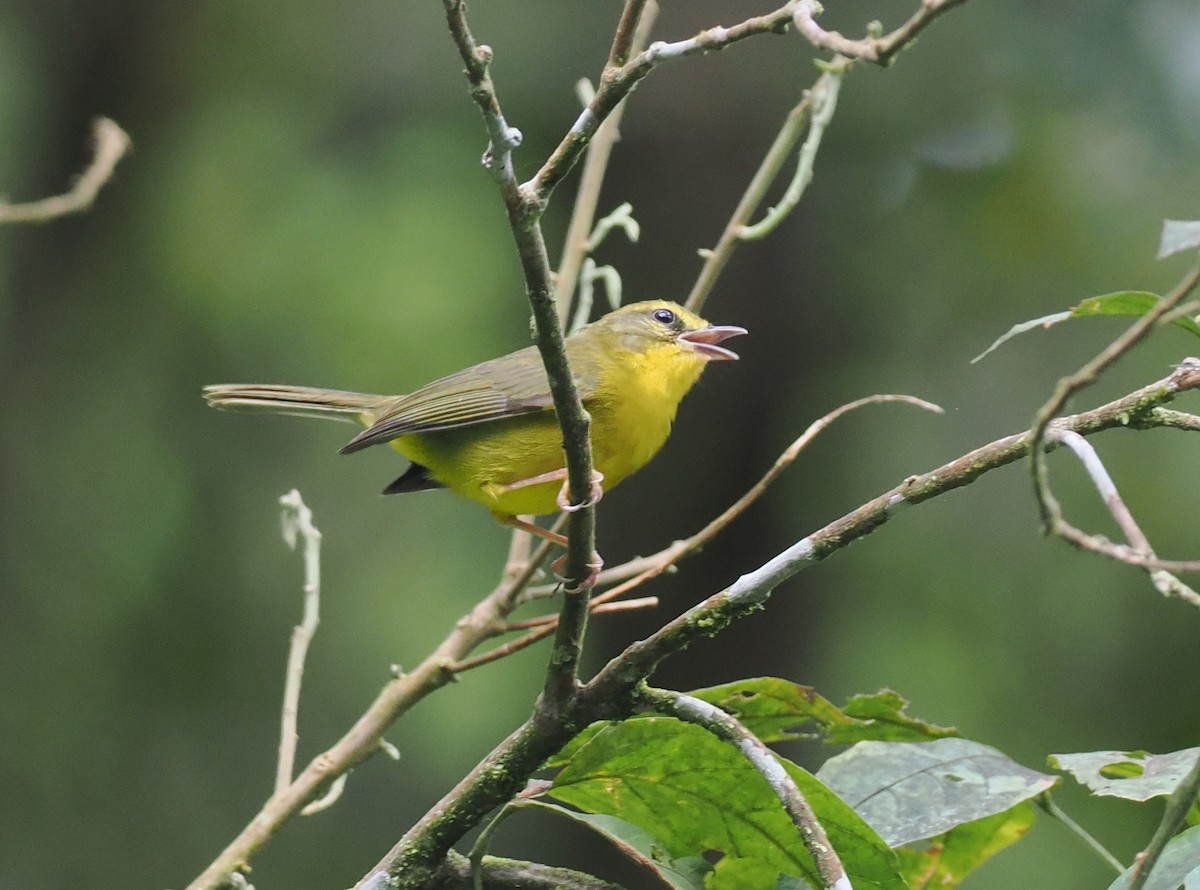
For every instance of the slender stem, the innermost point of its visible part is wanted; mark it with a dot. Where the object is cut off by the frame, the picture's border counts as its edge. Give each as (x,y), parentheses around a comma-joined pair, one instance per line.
(824,96)
(716,257)
(297,523)
(1046,802)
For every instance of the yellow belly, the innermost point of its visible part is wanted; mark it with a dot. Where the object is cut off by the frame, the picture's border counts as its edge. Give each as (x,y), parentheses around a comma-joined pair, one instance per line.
(632,411)
(481,462)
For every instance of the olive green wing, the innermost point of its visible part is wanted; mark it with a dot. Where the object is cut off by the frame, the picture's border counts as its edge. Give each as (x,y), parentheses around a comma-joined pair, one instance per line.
(505,387)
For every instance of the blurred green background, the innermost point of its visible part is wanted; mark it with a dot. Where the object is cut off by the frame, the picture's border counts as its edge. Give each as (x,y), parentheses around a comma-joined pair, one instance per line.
(304,204)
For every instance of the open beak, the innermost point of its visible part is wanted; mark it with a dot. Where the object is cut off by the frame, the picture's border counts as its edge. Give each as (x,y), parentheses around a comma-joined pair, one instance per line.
(705,341)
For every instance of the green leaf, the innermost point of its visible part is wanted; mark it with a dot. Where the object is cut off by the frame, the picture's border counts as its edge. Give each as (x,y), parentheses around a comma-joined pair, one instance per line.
(1133,775)
(638,845)
(774,710)
(1178,235)
(695,793)
(952,856)
(907,791)
(881,717)
(1179,864)
(1126,303)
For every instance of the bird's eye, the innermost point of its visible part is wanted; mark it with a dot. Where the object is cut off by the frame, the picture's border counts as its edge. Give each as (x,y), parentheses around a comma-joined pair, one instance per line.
(666,316)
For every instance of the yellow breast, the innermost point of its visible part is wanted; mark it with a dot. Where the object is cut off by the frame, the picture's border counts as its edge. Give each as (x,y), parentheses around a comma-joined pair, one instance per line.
(632,410)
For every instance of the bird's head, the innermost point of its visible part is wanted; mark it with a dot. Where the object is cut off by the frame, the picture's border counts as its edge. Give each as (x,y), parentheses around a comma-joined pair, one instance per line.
(650,326)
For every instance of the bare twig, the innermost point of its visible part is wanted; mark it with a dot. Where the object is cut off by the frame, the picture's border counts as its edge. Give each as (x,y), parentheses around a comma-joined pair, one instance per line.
(1165,582)
(877,50)
(544,626)
(1046,802)
(1048,507)
(632,34)
(716,257)
(619,82)
(644,568)
(626,38)
(297,523)
(729,729)
(111,144)
(824,102)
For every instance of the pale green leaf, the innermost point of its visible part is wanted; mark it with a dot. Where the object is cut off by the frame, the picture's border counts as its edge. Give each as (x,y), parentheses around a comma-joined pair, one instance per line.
(1133,775)
(912,790)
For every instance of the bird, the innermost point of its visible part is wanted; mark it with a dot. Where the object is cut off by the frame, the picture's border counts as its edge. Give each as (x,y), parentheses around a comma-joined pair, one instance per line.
(490,433)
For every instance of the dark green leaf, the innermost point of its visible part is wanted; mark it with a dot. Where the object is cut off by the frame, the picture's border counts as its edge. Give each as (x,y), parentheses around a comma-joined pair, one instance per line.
(695,793)
(775,709)
(1179,864)
(908,791)
(950,857)
(1178,235)
(640,846)
(1133,775)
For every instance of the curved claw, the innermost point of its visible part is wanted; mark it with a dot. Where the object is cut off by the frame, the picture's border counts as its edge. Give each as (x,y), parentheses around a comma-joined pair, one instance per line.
(594,566)
(564,494)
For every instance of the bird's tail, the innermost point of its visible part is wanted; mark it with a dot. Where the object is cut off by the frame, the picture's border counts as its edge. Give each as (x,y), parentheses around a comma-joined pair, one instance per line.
(305,401)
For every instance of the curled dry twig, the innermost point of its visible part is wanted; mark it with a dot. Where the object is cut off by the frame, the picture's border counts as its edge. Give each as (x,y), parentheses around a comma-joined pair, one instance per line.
(111,144)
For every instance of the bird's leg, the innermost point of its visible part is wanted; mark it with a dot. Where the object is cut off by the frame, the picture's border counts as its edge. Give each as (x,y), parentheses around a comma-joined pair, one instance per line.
(536,530)
(564,496)
(559,565)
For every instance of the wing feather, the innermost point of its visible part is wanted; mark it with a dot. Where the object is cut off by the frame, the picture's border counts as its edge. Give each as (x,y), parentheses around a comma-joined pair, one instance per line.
(495,390)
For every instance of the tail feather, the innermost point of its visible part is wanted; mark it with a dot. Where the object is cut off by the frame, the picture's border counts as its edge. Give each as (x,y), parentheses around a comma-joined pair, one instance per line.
(305,401)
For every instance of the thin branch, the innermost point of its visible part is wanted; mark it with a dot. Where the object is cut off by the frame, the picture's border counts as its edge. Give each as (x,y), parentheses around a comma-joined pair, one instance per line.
(627,40)
(1048,506)
(1165,582)
(544,627)
(729,729)
(1052,809)
(824,97)
(297,523)
(632,34)
(877,50)
(716,257)
(524,217)
(1174,813)
(644,568)
(111,144)
(618,83)
(477,58)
